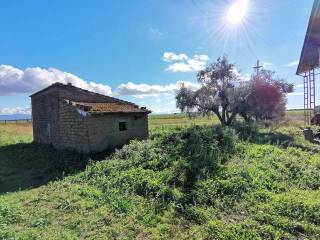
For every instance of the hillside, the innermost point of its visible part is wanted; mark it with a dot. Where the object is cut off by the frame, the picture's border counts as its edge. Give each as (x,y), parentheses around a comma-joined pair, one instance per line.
(183,183)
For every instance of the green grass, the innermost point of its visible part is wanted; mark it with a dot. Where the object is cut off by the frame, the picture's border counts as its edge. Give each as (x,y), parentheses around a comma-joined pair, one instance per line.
(15,133)
(185,182)
(165,120)
(293,118)
(25,164)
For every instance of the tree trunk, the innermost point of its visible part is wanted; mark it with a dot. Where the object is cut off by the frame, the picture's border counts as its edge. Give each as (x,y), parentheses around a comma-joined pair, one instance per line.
(220,117)
(223,115)
(246,118)
(231,118)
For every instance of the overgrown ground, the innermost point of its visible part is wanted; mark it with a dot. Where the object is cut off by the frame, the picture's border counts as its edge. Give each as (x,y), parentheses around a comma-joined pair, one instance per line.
(200,182)
(24,164)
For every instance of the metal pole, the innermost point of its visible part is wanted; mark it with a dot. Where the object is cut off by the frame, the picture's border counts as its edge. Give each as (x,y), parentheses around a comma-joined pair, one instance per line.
(313,94)
(306,99)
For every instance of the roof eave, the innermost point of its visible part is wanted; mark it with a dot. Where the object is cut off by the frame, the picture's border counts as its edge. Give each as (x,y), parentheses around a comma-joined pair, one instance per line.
(302,68)
(110,113)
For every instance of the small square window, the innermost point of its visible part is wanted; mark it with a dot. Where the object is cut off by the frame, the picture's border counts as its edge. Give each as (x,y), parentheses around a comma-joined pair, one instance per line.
(123,126)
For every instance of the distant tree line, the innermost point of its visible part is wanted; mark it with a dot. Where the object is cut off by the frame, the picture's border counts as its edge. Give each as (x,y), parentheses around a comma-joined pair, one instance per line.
(223,93)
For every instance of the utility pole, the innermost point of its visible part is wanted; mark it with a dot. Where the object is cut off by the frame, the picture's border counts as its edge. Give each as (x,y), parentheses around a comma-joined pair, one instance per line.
(257,68)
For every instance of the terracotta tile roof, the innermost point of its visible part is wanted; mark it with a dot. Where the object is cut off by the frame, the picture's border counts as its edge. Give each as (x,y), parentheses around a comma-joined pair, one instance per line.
(100,108)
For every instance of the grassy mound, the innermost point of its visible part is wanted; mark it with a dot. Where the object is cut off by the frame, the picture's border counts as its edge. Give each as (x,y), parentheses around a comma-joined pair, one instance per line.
(183,183)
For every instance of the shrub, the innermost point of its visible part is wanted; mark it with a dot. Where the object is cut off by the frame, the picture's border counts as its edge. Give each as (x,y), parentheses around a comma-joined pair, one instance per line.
(204,149)
(218,230)
(168,167)
(9,214)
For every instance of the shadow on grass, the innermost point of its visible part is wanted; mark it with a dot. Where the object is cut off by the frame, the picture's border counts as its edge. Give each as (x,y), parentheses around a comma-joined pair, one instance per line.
(273,138)
(253,135)
(30,165)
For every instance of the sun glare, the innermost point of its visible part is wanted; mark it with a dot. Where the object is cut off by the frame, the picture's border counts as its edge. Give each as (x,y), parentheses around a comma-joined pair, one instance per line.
(237,12)
(233,26)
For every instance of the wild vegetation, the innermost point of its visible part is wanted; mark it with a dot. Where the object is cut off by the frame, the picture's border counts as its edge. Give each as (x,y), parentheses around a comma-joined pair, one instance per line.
(185,182)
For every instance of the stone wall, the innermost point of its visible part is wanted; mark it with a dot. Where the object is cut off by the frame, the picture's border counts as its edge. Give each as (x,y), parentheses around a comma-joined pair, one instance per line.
(62,125)
(45,113)
(73,129)
(104,131)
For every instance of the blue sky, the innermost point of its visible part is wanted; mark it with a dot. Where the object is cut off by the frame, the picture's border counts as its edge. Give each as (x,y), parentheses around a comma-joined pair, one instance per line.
(141,50)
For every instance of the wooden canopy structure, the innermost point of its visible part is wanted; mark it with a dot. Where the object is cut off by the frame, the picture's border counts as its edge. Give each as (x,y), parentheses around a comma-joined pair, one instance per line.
(309,62)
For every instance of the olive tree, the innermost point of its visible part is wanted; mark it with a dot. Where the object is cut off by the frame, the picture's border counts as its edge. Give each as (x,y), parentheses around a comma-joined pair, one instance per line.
(220,92)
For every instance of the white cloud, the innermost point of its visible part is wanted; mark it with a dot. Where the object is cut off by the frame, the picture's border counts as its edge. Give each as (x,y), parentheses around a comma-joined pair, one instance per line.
(267,64)
(145,90)
(179,67)
(172,57)
(142,90)
(155,32)
(30,80)
(183,63)
(292,64)
(14,81)
(159,98)
(15,110)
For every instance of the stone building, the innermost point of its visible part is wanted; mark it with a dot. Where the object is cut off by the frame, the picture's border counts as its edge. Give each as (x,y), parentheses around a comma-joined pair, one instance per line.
(72,118)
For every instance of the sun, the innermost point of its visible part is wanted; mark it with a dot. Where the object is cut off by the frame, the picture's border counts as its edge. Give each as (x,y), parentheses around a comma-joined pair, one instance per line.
(233,26)
(237,12)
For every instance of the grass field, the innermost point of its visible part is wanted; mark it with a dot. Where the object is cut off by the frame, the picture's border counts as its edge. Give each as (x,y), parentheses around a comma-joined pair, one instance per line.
(25,164)
(293,117)
(22,132)
(185,182)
